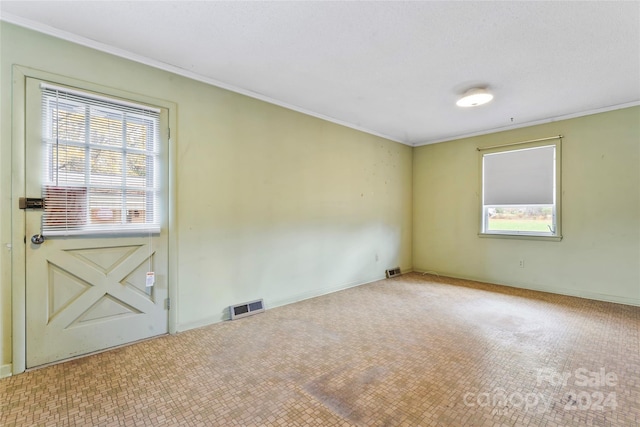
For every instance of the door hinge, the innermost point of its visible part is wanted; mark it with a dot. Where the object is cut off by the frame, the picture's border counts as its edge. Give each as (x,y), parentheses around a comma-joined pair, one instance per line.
(169,133)
(167,303)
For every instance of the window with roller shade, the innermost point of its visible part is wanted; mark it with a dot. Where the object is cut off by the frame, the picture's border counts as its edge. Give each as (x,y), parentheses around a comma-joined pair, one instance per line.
(520,190)
(101,164)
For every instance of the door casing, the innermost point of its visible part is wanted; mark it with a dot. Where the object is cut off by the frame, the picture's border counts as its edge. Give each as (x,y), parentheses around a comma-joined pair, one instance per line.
(18,181)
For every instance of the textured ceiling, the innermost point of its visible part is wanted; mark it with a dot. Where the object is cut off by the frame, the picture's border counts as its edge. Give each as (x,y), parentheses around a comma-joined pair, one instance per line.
(393,69)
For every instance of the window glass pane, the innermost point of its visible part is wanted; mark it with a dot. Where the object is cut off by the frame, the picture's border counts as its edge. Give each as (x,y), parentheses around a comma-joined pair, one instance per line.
(65,206)
(106,128)
(137,167)
(105,206)
(68,122)
(106,167)
(68,164)
(137,204)
(536,219)
(138,135)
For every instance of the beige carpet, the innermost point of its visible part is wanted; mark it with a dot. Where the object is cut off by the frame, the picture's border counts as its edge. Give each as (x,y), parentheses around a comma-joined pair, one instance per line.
(411,351)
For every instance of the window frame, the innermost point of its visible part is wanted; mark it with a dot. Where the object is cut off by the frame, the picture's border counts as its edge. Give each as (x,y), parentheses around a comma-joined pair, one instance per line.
(153,181)
(556,235)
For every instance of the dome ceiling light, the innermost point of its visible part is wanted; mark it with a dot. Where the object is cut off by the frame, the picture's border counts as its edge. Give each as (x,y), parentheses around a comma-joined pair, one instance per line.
(474,97)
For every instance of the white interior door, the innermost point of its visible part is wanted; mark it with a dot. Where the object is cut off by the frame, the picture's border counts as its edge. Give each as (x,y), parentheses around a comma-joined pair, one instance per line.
(89,290)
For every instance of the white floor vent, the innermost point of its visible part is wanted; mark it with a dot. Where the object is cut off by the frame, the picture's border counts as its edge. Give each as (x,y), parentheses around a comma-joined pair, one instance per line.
(246,309)
(393,272)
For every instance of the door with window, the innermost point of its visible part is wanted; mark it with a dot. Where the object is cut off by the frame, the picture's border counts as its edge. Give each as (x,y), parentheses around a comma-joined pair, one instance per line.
(96,245)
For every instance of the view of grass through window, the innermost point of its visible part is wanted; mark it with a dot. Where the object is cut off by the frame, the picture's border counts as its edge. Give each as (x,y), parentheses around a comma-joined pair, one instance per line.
(520,219)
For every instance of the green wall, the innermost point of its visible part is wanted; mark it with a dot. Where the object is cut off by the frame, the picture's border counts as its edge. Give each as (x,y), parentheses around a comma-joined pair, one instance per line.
(278,205)
(270,203)
(599,255)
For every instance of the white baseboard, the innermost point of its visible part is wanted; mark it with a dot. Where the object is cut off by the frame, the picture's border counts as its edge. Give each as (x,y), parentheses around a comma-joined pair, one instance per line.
(319,292)
(280,302)
(552,290)
(199,323)
(5,370)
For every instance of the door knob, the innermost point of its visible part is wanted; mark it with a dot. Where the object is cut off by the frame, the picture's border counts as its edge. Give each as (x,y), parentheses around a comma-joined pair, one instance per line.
(37,239)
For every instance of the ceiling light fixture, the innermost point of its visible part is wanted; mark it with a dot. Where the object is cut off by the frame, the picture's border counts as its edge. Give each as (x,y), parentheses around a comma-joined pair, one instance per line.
(474,97)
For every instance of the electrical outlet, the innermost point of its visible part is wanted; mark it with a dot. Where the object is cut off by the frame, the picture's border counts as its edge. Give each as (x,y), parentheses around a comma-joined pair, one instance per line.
(376,257)
(521,263)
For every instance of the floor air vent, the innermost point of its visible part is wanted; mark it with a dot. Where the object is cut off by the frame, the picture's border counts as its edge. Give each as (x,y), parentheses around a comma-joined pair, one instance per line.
(246,309)
(393,272)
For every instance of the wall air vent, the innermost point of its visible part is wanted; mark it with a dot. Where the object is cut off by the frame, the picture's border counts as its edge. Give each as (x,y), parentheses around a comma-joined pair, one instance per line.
(246,309)
(392,272)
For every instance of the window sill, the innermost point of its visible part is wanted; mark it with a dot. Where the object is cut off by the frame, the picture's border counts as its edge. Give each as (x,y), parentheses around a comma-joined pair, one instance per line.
(520,237)
(105,232)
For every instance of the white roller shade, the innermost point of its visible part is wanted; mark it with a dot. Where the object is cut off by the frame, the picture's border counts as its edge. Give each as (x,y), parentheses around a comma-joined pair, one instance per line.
(519,177)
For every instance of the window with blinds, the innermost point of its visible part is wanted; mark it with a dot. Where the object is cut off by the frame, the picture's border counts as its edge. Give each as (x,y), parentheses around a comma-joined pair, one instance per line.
(520,188)
(101,164)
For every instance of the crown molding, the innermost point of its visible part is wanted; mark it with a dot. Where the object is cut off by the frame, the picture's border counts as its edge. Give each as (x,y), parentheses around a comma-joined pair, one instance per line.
(531,123)
(93,44)
(112,50)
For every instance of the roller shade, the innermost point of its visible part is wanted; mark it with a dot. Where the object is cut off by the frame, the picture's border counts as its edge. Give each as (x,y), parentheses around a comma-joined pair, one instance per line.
(100,171)
(519,177)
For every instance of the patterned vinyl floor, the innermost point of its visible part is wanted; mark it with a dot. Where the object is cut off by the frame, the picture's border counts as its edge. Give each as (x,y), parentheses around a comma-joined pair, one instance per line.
(410,351)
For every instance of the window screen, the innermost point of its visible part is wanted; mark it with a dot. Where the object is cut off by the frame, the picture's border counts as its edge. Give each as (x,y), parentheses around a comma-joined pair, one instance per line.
(101,164)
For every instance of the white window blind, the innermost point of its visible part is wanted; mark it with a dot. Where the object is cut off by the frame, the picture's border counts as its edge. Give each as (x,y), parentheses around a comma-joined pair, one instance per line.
(519,177)
(101,169)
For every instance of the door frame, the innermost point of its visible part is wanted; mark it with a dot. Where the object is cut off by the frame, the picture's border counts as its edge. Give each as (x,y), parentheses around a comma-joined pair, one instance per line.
(18,185)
